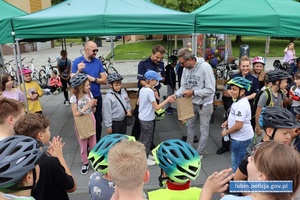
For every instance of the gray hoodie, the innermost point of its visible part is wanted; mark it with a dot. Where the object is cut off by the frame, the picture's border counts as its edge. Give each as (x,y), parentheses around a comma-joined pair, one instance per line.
(201,79)
(112,110)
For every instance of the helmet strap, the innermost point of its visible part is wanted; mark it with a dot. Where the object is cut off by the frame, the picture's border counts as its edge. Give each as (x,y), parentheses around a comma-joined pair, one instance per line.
(273,134)
(161,179)
(27,187)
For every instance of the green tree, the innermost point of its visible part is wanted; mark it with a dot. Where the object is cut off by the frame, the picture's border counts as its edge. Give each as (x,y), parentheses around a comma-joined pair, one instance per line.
(181,5)
(54,2)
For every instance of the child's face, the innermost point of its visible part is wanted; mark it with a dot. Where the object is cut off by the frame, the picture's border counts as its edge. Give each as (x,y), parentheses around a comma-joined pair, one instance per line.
(9,83)
(297,81)
(236,92)
(283,84)
(153,82)
(54,75)
(282,135)
(257,68)
(46,136)
(86,87)
(253,173)
(116,86)
(27,77)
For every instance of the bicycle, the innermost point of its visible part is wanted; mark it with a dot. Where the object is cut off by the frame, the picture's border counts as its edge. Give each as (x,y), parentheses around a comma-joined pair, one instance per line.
(46,71)
(225,70)
(12,70)
(34,71)
(108,65)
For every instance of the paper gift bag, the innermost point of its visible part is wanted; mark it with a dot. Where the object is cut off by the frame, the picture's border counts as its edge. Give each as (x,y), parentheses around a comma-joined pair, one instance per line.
(185,108)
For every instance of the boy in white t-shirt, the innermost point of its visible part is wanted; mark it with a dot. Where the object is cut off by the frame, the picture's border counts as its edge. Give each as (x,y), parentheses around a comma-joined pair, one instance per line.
(147,107)
(238,124)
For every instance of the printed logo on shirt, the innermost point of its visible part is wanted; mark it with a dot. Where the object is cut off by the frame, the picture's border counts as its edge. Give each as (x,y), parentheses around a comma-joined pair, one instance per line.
(239,114)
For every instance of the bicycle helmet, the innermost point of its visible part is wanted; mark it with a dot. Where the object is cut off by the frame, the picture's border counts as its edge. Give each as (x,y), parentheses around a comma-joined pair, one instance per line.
(78,79)
(277,117)
(18,155)
(179,160)
(298,60)
(277,64)
(160,114)
(114,77)
(173,58)
(275,75)
(258,59)
(240,82)
(25,70)
(98,155)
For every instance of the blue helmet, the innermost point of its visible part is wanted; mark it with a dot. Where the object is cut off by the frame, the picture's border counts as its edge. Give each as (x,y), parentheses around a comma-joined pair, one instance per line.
(179,160)
(98,155)
(240,82)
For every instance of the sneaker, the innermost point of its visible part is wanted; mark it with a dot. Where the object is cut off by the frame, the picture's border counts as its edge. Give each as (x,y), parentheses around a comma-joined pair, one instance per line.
(201,156)
(168,112)
(67,103)
(150,162)
(172,109)
(55,92)
(84,169)
(150,157)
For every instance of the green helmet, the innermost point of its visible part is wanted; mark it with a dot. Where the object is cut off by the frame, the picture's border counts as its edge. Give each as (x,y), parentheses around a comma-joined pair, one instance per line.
(98,155)
(160,114)
(179,160)
(240,82)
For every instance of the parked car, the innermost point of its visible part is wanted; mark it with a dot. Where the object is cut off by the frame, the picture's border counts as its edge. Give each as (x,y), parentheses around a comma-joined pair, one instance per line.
(108,38)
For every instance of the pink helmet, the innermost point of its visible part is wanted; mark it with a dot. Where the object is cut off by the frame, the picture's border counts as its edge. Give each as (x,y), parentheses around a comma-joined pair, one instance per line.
(25,71)
(258,59)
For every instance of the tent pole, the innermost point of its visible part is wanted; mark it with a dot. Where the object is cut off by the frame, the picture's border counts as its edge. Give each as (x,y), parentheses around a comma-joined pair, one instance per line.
(17,63)
(22,75)
(175,42)
(267,47)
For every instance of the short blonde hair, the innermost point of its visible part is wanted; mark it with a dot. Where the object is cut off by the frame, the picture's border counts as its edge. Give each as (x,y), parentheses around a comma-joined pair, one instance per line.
(127,164)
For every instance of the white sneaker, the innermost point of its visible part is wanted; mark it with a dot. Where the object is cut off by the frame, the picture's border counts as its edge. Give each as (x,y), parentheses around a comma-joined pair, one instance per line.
(150,157)
(55,92)
(67,103)
(150,162)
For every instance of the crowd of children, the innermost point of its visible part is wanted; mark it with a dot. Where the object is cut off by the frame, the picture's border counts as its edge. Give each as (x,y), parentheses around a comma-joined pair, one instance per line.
(120,163)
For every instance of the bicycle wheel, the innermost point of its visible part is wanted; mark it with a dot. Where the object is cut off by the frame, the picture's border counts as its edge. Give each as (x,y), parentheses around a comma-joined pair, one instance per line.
(219,74)
(43,78)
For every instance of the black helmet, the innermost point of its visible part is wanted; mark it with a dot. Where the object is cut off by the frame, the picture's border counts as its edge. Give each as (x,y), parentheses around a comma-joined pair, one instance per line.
(275,75)
(114,77)
(173,58)
(298,59)
(18,155)
(277,117)
(277,64)
(78,79)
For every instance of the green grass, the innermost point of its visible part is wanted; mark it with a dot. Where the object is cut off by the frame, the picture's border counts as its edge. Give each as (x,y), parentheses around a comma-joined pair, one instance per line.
(142,49)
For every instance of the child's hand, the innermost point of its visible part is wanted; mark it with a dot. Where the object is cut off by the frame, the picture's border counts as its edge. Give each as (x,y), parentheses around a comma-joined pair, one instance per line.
(129,113)
(55,149)
(170,99)
(109,130)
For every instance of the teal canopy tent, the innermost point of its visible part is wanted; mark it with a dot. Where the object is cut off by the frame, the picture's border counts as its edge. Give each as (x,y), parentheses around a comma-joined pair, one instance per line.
(7,12)
(249,17)
(102,17)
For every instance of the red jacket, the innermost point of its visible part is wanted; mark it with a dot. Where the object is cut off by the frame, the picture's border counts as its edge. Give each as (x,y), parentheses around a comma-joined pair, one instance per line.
(55,82)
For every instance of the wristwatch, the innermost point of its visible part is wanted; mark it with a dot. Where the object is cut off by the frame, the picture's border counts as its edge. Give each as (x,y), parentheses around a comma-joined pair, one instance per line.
(95,80)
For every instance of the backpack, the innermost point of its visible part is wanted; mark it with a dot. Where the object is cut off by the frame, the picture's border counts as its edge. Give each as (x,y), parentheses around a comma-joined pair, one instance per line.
(267,91)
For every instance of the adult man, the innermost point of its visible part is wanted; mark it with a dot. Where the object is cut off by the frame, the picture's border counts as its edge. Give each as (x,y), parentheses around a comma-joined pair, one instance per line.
(154,62)
(96,74)
(198,82)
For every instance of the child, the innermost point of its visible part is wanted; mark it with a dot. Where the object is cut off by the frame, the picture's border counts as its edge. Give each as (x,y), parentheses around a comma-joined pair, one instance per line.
(147,107)
(279,81)
(100,186)
(10,111)
(238,123)
(82,102)
(280,125)
(64,69)
(128,169)
(33,92)
(115,102)
(170,81)
(8,89)
(19,170)
(179,163)
(270,161)
(56,179)
(55,83)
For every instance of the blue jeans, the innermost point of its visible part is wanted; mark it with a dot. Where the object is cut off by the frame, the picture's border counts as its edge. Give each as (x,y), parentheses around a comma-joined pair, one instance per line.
(238,152)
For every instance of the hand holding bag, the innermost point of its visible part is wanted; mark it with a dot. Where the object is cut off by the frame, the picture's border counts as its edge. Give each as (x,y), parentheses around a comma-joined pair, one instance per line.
(85,126)
(129,119)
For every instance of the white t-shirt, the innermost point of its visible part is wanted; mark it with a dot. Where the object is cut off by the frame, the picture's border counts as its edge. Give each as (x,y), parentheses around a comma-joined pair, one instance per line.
(232,197)
(146,109)
(241,111)
(82,102)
